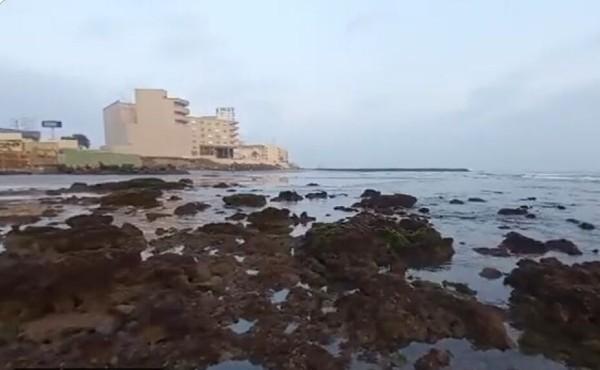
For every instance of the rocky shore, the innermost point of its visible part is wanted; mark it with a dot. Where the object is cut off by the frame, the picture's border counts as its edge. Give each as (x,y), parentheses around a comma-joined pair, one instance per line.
(89,290)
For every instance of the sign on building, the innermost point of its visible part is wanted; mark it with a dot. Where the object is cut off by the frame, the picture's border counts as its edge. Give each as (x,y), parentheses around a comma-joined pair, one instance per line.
(52,124)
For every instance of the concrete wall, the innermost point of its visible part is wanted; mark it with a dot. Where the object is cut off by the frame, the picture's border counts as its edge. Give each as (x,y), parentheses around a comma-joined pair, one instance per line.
(93,158)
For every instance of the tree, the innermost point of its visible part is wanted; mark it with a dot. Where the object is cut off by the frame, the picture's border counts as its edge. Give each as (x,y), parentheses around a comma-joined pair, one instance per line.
(82,140)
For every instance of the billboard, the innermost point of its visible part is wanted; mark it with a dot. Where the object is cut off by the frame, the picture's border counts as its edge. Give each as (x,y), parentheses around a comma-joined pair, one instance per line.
(52,124)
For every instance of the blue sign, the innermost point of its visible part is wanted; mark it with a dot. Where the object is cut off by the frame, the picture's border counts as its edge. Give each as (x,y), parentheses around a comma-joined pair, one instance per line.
(52,124)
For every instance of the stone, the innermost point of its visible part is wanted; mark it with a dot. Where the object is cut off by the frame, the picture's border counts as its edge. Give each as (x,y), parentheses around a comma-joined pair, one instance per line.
(288,196)
(435,359)
(586,226)
(143,198)
(370,193)
(490,273)
(238,216)
(272,220)
(80,221)
(317,195)
(345,209)
(513,212)
(312,184)
(424,210)
(191,208)
(153,216)
(476,200)
(456,201)
(245,200)
(387,201)
(563,246)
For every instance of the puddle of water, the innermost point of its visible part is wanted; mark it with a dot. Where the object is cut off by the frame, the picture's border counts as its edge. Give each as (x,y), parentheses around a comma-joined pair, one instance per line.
(290,328)
(241,326)
(280,296)
(235,365)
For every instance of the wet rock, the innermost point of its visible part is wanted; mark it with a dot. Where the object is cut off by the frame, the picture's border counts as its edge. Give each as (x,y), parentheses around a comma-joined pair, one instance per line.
(317,195)
(504,227)
(238,216)
(435,359)
(224,228)
(513,212)
(520,244)
(345,209)
(476,200)
(461,288)
(143,198)
(370,193)
(387,201)
(558,307)
(456,201)
(153,216)
(586,226)
(424,210)
(221,185)
(490,273)
(245,200)
(174,198)
(530,216)
(312,184)
(288,196)
(563,246)
(81,221)
(190,208)
(561,207)
(19,219)
(573,221)
(149,183)
(271,220)
(494,252)
(303,219)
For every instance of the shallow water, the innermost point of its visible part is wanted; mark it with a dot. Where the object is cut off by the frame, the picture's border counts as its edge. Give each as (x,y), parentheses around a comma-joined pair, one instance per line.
(471,224)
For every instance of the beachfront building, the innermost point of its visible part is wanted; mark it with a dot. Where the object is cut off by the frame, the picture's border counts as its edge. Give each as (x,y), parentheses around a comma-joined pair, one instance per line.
(157,125)
(261,153)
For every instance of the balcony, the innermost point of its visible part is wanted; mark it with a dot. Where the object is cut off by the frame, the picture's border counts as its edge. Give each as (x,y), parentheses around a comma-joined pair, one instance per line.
(179,109)
(181,102)
(181,119)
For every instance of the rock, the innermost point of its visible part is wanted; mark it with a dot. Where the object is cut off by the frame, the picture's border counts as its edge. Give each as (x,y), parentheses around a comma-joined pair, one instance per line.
(532,199)
(81,221)
(520,244)
(317,195)
(424,210)
(312,184)
(586,226)
(345,209)
(238,216)
(288,196)
(561,207)
(435,359)
(245,200)
(490,273)
(456,201)
(223,228)
(368,193)
(476,200)
(190,208)
(494,252)
(504,227)
(530,216)
(149,183)
(271,220)
(573,221)
(153,216)
(303,219)
(558,308)
(564,246)
(387,201)
(174,198)
(221,185)
(512,212)
(144,198)
(460,288)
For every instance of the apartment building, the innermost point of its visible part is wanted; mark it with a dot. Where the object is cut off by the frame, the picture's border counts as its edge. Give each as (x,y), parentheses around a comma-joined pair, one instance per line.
(261,153)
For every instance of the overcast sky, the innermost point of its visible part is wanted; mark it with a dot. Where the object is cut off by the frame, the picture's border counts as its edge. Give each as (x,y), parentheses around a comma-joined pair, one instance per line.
(492,85)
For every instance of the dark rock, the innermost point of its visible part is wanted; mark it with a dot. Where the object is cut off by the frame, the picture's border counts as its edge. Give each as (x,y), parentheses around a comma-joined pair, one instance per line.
(271,220)
(595,251)
(424,210)
(494,252)
(19,219)
(312,184)
(81,221)
(531,199)
(222,228)
(144,198)
(149,183)
(238,216)
(460,288)
(221,185)
(504,227)
(174,198)
(530,216)
(153,216)
(317,195)
(191,208)
(558,308)
(586,226)
(368,193)
(520,244)
(560,207)
(288,196)
(512,212)
(435,359)
(564,246)
(345,209)
(245,200)
(476,200)
(490,273)
(387,201)
(573,221)
(456,201)
(303,219)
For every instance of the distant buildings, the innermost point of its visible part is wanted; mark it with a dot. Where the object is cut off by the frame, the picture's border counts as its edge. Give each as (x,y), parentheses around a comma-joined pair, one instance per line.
(157,125)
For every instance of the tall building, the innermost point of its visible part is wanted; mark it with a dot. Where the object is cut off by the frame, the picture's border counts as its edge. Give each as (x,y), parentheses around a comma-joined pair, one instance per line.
(215,135)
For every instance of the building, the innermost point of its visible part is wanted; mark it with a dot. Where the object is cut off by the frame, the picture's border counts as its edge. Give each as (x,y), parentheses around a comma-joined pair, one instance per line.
(157,125)
(261,153)
(23,149)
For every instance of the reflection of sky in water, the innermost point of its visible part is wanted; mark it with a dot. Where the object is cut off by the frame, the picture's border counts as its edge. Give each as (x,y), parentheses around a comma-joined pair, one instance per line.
(235,365)
(471,225)
(241,326)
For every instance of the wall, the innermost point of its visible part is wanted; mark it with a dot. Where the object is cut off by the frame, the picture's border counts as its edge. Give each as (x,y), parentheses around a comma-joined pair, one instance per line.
(93,158)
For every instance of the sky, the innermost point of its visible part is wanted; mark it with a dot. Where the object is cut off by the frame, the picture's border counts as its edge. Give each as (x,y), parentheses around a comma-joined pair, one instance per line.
(495,85)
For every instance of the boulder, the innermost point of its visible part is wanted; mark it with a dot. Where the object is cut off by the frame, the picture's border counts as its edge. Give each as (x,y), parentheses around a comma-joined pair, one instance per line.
(345,209)
(476,200)
(81,221)
(288,196)
(245,200)
(317,195)
(520,244)
(558,308)
(238,216)
(370,193)
(153,216)
(490,273)
(271,220)
(190,208)
(563,246)
(387,201)
(586,226)
(149,183)
(312,184)
(456,201)
(513,212)
(143,198)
